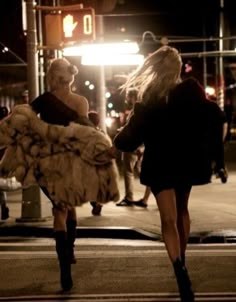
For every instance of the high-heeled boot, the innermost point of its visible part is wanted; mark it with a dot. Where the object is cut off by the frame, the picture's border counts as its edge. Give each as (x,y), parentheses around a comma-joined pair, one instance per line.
(4,212)
(183,281)
(183,259)
(71,236)
(65,266)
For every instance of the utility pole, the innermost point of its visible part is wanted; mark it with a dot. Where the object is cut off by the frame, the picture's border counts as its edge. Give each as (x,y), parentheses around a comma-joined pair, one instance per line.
(32,207)
(101,77)
(220,97)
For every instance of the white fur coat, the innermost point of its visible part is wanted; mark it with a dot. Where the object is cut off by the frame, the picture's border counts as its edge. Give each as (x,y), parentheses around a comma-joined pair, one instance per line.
(71,162)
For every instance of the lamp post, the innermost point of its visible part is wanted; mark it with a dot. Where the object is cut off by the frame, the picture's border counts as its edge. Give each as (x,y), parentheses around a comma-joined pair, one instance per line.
(101,78)
(32,207)
(220,98)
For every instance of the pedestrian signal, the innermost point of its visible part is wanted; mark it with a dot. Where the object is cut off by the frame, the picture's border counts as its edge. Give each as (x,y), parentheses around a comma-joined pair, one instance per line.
(70,26)
(78,25)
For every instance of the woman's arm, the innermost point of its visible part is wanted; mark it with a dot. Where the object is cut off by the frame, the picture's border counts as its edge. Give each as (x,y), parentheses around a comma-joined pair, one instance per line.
(130,137)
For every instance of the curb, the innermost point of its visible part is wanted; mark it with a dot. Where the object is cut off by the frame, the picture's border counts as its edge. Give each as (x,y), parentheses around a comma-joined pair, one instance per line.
(113,233)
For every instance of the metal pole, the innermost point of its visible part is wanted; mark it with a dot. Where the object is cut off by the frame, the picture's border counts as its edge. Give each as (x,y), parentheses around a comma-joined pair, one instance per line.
(40,53)
(220,98)
(204,67)
(32,59)
(204,58)
(101,78)
(31,198)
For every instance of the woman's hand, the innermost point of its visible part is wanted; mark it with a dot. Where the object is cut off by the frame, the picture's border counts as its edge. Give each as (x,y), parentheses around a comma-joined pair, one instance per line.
(113,152)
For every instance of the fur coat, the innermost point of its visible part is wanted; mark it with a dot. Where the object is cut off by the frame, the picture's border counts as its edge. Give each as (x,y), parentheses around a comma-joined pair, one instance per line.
(71,162)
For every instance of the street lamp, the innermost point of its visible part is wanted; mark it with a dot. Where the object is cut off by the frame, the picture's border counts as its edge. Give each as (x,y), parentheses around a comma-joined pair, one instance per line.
(112,59)
(125,47)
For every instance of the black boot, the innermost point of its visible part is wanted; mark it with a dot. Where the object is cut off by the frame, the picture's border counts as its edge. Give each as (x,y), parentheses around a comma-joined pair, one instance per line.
(4,212)
(183,281)
(65,266)
(183,259)
(71,236)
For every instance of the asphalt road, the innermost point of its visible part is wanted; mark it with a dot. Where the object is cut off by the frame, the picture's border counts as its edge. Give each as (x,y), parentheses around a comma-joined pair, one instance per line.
(113,270)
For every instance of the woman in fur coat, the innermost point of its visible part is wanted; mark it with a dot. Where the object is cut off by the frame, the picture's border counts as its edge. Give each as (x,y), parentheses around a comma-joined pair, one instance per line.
(56,146)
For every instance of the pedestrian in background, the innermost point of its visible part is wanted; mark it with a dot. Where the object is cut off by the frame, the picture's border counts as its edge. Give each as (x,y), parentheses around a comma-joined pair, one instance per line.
(3,195)
(229,110)
(131,162)
(219,166)
(131,167)
(173,120)
(95,119)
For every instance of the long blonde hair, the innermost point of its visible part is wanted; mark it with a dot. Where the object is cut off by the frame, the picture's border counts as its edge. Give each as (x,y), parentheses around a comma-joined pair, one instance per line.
(159,73)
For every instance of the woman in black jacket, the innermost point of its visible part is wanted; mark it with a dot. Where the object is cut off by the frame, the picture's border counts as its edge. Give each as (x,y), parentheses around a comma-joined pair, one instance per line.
(181,133)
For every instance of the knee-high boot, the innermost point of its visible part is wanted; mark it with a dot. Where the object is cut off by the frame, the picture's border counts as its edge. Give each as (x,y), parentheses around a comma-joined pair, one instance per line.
(65,266)
(71,236)
(183,281)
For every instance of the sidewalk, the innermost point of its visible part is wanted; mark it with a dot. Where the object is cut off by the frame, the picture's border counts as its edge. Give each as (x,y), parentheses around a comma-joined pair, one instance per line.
(212,210)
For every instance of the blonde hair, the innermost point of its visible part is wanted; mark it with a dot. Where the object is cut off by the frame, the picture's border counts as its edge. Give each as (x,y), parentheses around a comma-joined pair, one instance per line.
(60,73)
(159,73)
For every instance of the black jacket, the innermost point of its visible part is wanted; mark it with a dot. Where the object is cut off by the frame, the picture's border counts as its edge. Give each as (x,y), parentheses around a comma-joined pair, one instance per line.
(182,135)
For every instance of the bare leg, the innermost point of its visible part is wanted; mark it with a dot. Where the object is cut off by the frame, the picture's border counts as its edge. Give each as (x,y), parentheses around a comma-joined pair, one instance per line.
(60,217)
(183,220)
(166,202)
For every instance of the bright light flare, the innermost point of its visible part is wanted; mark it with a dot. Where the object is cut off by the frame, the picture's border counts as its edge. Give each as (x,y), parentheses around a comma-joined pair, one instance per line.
(210,90)
(102,49)
(112,59)
(109,121)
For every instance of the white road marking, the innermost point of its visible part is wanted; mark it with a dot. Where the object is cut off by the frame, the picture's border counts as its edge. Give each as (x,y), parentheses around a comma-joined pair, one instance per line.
(129,297)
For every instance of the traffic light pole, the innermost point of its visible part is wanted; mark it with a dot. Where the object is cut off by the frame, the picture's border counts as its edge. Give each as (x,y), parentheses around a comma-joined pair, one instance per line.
(32,207)
(101,78)
(220,97)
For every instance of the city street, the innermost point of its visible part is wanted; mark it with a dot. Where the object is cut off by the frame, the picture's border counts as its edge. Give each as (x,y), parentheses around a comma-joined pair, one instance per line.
(113,270)
(98,44)
(212,209)
(120,254)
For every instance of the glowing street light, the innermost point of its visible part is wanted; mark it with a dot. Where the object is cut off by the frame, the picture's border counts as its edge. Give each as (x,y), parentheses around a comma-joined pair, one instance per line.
(112,59)
(101,49)
(210,91)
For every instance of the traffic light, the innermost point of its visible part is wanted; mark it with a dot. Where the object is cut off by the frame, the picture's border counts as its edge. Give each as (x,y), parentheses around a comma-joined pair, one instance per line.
(69,26)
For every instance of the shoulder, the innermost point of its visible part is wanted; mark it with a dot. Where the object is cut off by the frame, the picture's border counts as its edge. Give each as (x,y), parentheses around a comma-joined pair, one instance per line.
(216,111)
(39,101)
(78,99)
(80,103)
(139,108)
(190,86)
(188,93)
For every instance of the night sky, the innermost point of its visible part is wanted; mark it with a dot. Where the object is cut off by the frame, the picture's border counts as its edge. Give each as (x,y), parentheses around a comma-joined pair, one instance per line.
(170,18)
(11,33)
(130,19)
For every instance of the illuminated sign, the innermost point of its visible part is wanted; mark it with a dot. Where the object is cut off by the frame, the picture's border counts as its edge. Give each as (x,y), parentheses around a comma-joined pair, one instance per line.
(78,25)
(68,26)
